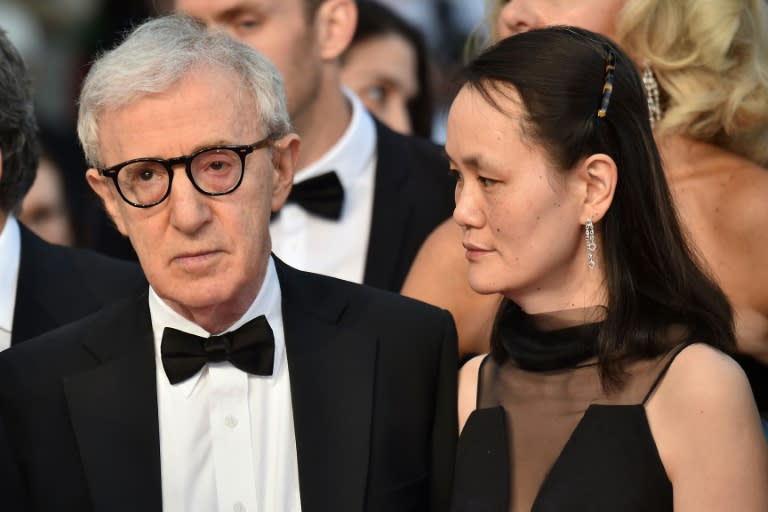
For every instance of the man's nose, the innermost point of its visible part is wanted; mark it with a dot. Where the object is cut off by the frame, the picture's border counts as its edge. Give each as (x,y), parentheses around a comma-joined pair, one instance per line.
(190,208)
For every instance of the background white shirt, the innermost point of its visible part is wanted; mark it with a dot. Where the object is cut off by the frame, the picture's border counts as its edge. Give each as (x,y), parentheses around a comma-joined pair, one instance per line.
(227,440)
(10,256)
(336,248)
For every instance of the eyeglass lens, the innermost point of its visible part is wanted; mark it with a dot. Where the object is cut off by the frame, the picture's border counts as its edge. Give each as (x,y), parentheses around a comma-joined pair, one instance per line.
(215,171)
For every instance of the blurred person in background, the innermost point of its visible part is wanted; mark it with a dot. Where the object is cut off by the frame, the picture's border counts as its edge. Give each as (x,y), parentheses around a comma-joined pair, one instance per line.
(44,209)
(42,286)
(364,197)
(705,69)
(387,65)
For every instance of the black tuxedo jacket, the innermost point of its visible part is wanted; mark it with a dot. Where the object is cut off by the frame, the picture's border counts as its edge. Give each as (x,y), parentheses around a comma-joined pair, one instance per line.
(413,194)
(373,388)
(58,285)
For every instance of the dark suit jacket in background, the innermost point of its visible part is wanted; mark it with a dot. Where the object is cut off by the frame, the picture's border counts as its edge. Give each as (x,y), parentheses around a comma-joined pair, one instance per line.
(413,194)
(58,285)
(373,388)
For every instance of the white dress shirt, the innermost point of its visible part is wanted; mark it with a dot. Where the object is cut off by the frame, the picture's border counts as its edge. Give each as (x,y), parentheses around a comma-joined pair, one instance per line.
(10,256)
(227,439)
(312,243)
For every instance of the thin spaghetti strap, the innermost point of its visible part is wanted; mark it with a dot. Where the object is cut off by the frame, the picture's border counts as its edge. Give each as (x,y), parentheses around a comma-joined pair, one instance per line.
(673,354)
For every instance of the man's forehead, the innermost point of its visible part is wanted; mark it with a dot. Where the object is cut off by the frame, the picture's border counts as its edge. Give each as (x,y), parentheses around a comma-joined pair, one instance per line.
(224,10)
(180,120)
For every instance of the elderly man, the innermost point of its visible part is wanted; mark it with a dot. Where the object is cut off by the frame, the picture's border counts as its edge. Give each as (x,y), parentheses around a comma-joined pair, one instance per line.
(42,286)
(359,185)
(237,382)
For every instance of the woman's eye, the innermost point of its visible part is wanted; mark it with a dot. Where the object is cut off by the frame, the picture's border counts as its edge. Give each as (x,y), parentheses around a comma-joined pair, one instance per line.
(486,182)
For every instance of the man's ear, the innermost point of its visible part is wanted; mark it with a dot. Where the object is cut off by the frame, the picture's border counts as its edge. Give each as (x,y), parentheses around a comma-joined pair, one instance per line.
(335,23)
(285,154)
(599,174)
(109,198)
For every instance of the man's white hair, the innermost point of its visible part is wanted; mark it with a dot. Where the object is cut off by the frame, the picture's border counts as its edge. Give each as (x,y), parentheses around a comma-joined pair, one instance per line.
(159,53)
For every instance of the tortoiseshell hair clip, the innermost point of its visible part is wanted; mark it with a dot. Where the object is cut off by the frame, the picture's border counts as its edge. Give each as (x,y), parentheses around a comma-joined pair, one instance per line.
(610,66)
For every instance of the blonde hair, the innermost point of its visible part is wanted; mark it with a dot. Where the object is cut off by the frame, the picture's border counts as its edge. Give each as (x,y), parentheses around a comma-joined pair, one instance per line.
(710,58)
(484,33)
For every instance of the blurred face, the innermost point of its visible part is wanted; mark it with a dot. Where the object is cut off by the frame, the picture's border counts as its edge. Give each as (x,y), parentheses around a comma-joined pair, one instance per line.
(520,217)
(522,15)
(382,71)
(279,29)
(44,209)
(205,256)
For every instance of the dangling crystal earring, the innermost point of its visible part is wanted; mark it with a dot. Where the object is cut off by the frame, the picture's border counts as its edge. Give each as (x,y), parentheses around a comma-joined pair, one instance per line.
(589,234)
(652,94)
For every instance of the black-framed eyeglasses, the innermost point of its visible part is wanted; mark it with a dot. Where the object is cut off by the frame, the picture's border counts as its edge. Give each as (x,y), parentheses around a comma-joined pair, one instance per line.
(213,171)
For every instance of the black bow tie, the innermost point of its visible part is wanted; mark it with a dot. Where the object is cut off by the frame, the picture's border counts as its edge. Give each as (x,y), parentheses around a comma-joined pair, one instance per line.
(322,195)
(250,348)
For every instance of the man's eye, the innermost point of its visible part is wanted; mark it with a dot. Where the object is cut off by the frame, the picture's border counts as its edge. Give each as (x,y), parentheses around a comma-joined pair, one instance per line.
(146,175)
(245,23)
(218,166)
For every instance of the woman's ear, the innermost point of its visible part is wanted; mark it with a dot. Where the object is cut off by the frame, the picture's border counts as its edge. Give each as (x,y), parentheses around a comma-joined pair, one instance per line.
(598,172)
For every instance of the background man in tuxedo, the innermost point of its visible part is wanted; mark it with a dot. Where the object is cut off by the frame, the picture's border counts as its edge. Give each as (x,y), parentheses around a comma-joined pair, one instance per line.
(364,198)
(318,393)
(42,286)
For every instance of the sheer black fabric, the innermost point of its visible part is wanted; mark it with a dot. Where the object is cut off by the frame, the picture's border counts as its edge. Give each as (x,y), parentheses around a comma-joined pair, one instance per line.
(546,435)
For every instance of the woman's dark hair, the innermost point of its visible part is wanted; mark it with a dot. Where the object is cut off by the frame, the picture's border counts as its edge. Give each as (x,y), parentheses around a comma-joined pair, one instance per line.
(654,283)
(377,20)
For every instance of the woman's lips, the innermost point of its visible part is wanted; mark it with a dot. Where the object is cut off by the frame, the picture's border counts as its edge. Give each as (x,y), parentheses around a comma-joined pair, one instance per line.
(473,252)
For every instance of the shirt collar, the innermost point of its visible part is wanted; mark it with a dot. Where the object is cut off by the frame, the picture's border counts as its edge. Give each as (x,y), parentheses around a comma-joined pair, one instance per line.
(10,255)
(349,156)
(267,303)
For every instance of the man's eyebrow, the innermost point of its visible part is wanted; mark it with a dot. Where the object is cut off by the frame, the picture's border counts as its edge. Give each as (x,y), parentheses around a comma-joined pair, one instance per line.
(233,12)
(218,142)
(195,149)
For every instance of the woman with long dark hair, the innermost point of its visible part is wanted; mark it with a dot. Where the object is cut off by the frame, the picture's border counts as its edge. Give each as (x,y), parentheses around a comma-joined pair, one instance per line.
(607,386)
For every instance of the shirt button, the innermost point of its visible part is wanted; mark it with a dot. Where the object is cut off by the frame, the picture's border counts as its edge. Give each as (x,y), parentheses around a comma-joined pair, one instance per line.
(231,422)
(238,507)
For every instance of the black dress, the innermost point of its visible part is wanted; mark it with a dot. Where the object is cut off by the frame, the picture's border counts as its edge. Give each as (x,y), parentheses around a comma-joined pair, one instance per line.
(547,437)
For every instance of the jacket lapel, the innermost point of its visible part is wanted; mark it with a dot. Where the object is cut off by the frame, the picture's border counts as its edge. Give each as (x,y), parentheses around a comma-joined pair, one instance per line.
(113,407)
(332,372)
(390,216)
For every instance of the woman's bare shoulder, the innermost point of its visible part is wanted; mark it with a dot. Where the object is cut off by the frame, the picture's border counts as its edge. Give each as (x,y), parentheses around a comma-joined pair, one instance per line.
(708,432)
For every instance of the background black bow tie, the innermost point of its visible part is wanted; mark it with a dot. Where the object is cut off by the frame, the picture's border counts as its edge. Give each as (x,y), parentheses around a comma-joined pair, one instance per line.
(250,348)
(322,195)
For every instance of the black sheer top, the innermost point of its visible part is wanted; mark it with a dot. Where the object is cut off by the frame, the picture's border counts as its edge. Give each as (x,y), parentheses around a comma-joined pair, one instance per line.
(546,435)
